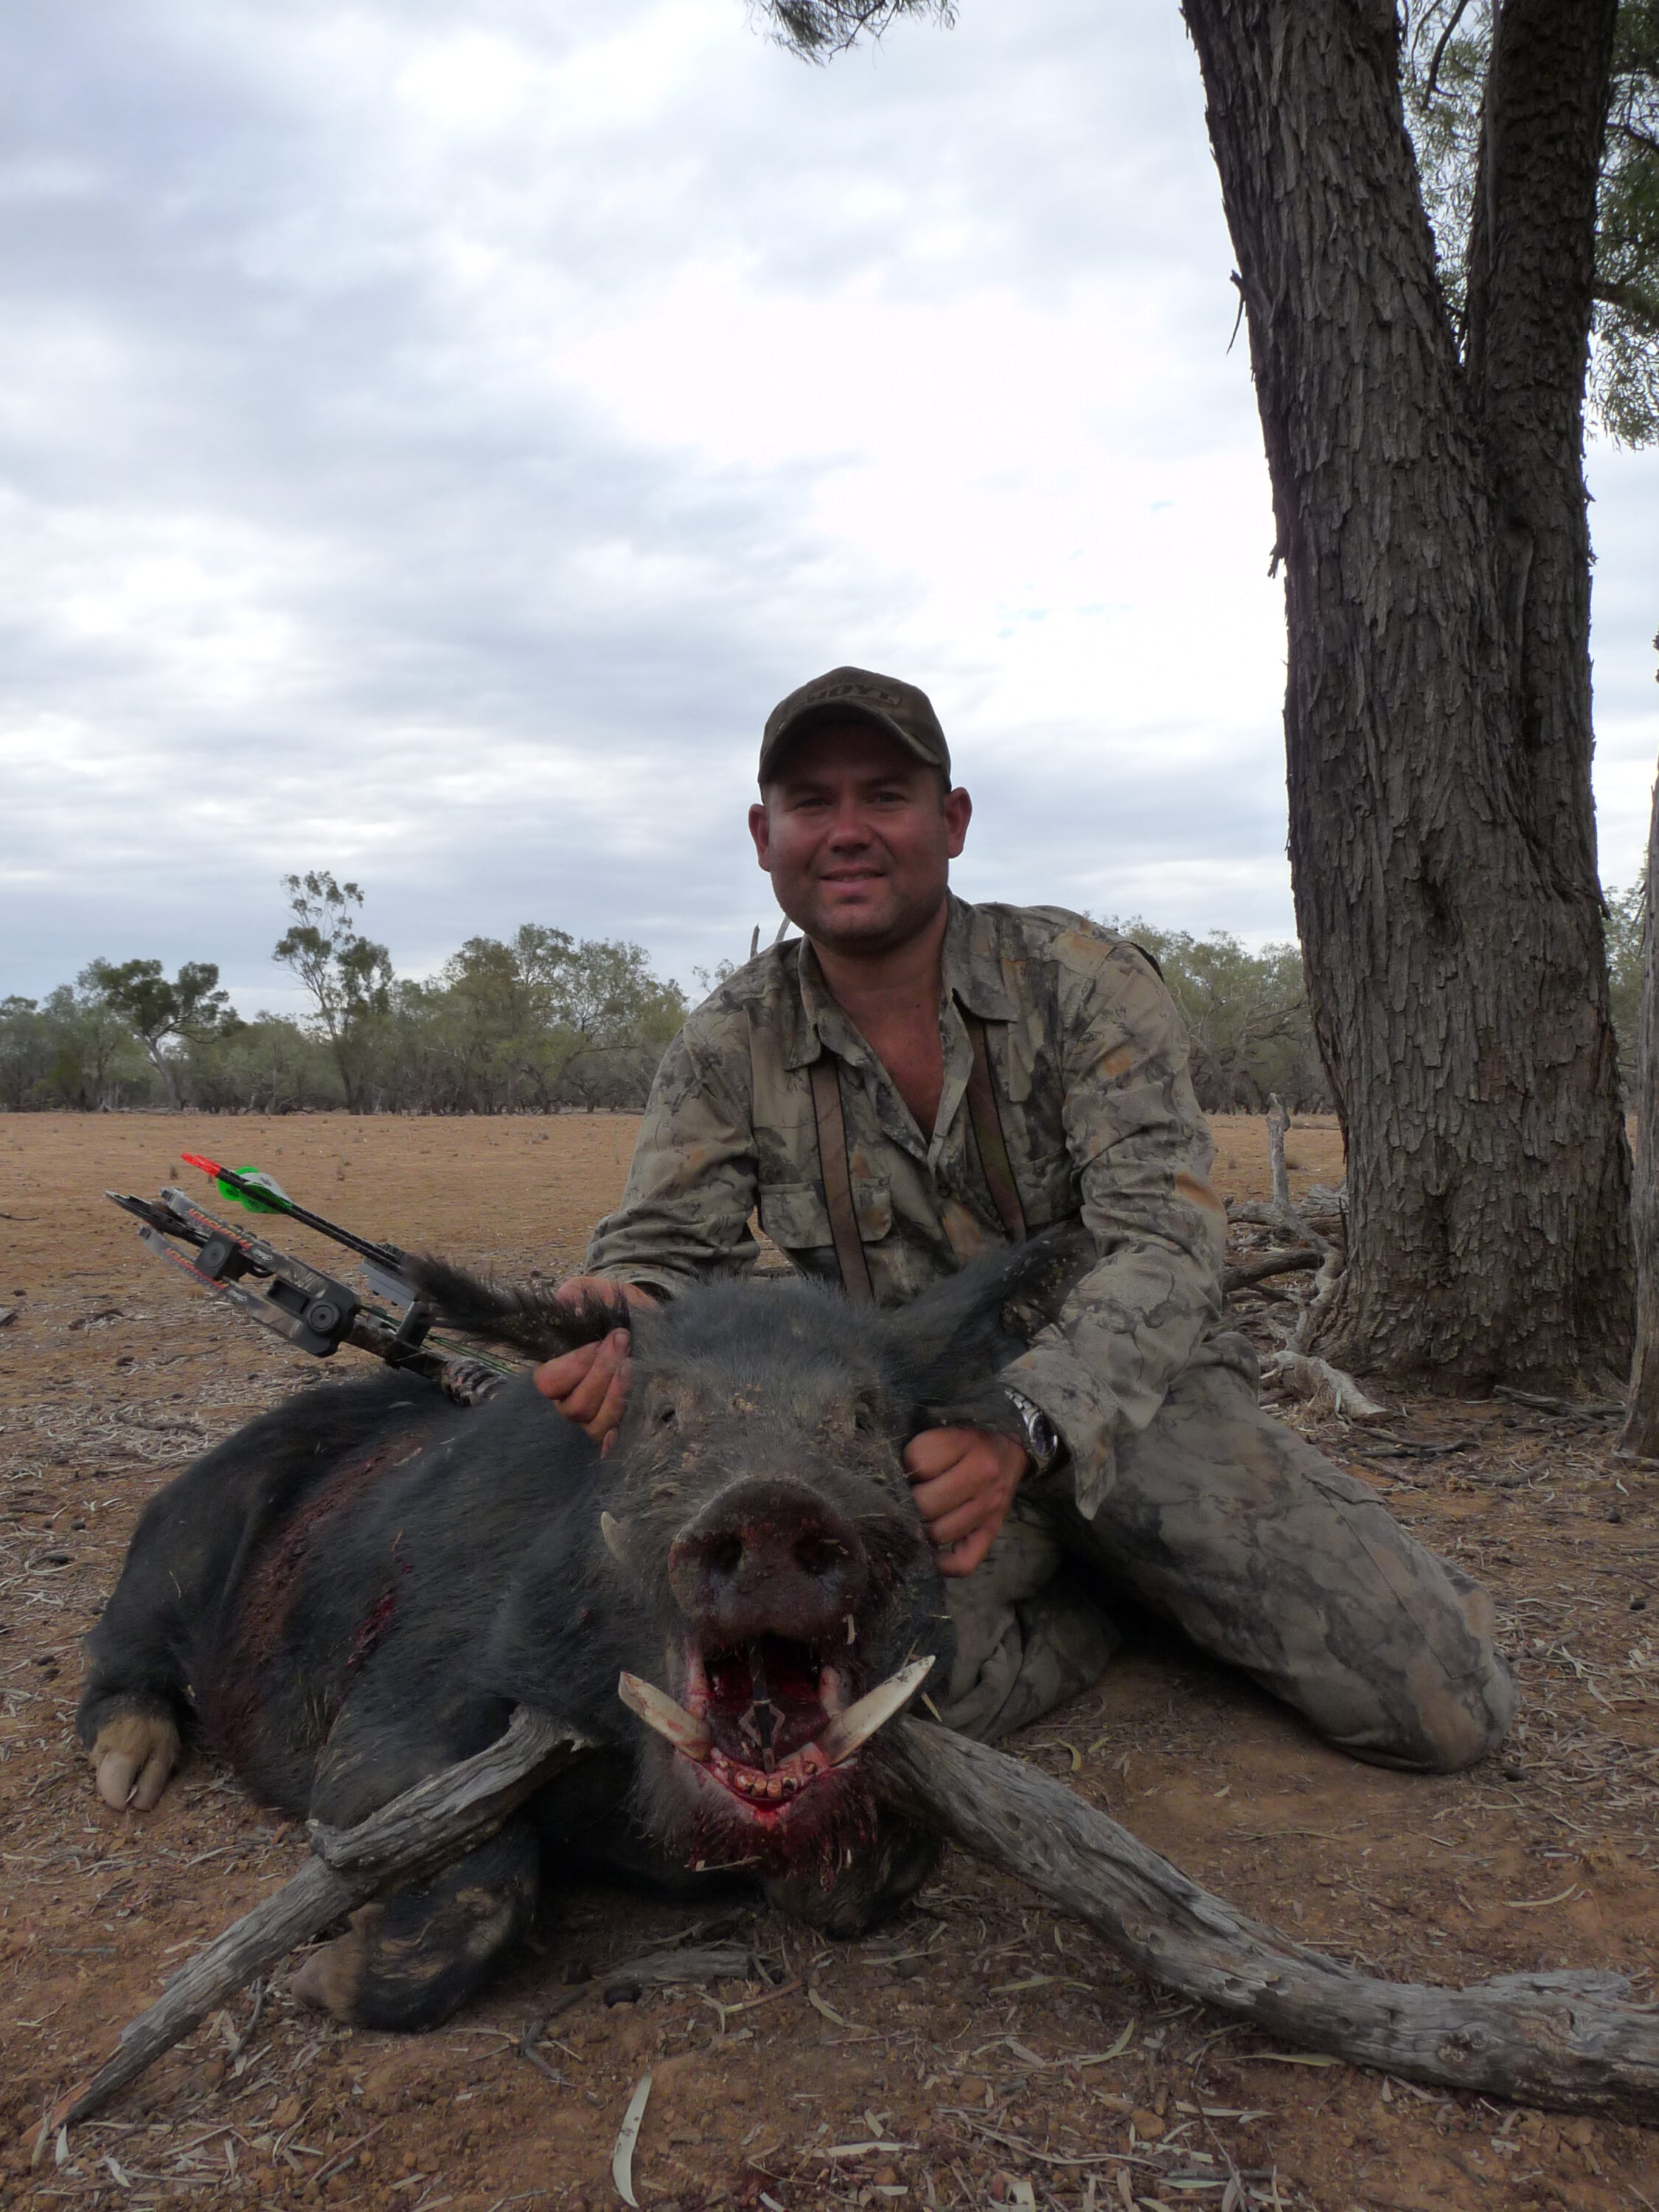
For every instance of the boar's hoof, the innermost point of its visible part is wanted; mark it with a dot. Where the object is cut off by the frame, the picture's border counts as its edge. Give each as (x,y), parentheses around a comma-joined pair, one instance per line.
(407,1960)
(133,1757)
(331,1979)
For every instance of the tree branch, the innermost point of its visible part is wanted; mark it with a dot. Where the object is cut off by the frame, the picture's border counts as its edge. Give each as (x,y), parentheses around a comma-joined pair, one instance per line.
(1562,2039)
(1441,45)
(434,1822)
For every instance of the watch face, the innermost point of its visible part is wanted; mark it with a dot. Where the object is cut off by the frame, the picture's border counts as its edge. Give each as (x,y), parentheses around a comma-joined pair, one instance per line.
(1041,1437)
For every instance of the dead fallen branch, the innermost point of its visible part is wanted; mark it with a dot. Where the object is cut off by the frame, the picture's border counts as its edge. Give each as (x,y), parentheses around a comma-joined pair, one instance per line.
(1562,2039)
(1549,2039)
(1241,1272)
(710,1962)
(1322,1385)
(434,1822)
(1571,1409)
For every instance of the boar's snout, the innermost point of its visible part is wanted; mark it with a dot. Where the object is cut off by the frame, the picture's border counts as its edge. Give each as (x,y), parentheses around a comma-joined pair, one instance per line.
(768,1557)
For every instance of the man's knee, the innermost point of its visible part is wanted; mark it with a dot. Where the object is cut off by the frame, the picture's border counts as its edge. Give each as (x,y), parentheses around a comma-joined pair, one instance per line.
(1473,1704)
(1466,1725)
(1430,1722)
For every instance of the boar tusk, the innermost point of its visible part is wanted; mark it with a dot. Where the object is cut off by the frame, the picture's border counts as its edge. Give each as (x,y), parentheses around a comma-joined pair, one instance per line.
(659,1710)
(615,1538)
(847,1730)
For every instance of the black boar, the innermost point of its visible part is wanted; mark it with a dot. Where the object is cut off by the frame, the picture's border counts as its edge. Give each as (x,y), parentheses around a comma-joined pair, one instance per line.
(354,1590)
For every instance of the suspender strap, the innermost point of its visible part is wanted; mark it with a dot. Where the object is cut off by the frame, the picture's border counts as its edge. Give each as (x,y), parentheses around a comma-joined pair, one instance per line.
(986,1119)
(838,1181)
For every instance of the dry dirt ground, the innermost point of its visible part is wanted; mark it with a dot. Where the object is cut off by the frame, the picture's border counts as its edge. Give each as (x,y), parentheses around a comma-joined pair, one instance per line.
(981,2049)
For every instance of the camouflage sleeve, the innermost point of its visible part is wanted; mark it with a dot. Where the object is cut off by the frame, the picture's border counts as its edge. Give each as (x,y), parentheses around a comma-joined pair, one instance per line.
(1143,1151)
(684,1214)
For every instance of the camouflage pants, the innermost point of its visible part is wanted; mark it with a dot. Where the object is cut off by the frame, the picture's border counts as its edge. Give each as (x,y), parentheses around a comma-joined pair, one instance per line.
(1233,1527)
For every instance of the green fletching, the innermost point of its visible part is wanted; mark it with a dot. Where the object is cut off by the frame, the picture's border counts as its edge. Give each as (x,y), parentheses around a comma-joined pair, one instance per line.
(240,1195)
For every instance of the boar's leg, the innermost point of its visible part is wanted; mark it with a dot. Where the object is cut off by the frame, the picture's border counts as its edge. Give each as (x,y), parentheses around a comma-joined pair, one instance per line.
(407,1960)
(135,1704)
(870,1882)
(414,1953)
(159,1632)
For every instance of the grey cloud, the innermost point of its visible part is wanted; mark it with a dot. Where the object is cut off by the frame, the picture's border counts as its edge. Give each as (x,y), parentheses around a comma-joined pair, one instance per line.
(307,558)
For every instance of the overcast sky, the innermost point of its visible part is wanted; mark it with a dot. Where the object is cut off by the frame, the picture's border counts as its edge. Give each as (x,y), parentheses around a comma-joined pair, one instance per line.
(433,435)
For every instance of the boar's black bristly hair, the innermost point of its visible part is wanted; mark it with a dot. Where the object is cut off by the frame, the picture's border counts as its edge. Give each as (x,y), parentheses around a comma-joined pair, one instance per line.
(948,1345)
(530,1317)
(941,1353)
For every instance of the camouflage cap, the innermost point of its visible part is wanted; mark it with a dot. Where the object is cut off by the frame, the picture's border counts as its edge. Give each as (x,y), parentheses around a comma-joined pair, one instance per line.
(854,695)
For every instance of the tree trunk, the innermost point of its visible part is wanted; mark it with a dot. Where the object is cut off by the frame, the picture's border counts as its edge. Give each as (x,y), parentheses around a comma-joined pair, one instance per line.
(1436,709)
(1641,1430)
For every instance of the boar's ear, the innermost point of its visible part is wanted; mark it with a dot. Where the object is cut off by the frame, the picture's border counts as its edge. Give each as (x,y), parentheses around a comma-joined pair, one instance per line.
(949,1344)
(531,1319)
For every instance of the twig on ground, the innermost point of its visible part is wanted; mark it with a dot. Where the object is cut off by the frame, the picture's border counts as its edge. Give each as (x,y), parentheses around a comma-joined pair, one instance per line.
(1320,1384)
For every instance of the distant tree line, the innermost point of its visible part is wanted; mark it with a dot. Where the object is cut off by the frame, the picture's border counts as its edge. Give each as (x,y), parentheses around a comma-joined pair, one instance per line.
(542,1021)
(1247,1012)
(1246,1019)
(534,1023)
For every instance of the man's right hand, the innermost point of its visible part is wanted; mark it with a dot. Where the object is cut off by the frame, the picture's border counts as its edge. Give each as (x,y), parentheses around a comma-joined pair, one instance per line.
(589,1385)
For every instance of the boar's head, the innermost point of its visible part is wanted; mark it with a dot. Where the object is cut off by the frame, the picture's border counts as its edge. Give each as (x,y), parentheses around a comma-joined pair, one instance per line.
(761,1573)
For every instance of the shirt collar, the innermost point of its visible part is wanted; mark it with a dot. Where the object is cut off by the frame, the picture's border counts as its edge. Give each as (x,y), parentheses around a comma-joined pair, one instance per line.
(973,965)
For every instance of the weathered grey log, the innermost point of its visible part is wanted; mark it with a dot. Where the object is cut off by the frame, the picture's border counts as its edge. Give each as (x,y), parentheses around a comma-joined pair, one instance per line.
(1561,2039)
(1319,1383)
(1311,1221)
(437,1819)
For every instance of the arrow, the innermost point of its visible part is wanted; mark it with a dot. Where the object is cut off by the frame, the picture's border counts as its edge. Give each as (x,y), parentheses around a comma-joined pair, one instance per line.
(262,1194)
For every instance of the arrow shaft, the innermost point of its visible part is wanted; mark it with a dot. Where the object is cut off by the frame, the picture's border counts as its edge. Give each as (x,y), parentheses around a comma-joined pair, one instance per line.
(278,1201)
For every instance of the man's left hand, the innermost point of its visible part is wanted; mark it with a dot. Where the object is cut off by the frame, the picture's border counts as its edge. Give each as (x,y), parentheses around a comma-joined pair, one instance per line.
(963,1481)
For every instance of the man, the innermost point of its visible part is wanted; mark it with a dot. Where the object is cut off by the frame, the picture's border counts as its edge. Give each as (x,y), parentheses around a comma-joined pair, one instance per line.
(912,1082)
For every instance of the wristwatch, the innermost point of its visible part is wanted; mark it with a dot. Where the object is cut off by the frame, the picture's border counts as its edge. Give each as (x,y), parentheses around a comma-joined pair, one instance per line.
(1042,1439)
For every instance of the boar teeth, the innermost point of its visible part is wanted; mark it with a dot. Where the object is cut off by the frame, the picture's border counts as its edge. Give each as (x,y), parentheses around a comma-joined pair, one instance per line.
(847,1730)
(615,1541)
(659,1710)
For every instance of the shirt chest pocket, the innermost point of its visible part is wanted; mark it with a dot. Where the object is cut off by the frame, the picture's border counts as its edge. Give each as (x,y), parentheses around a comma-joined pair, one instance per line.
(794,1214)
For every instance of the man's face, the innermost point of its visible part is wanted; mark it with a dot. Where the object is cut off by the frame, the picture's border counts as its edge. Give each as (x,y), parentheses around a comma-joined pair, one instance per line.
(857,838)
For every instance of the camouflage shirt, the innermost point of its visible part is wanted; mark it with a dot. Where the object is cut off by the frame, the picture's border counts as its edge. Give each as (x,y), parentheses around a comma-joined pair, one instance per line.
(1089,1060)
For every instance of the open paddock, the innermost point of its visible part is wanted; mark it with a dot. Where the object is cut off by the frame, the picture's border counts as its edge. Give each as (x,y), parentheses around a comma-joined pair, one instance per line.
(979,2041)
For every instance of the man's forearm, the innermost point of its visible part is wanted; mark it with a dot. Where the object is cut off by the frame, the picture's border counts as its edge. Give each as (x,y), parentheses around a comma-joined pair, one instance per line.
(1127,1330)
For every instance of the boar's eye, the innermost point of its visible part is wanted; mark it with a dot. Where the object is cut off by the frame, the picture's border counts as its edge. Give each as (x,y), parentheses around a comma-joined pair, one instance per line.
(665,1416)
(864,1421)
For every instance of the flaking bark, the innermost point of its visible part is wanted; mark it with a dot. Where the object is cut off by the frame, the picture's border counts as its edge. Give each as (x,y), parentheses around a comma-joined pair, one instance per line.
(1430,518)
(1641,1430)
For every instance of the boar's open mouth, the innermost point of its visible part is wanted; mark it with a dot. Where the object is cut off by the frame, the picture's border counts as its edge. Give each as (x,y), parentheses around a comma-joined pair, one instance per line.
(766,1720)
